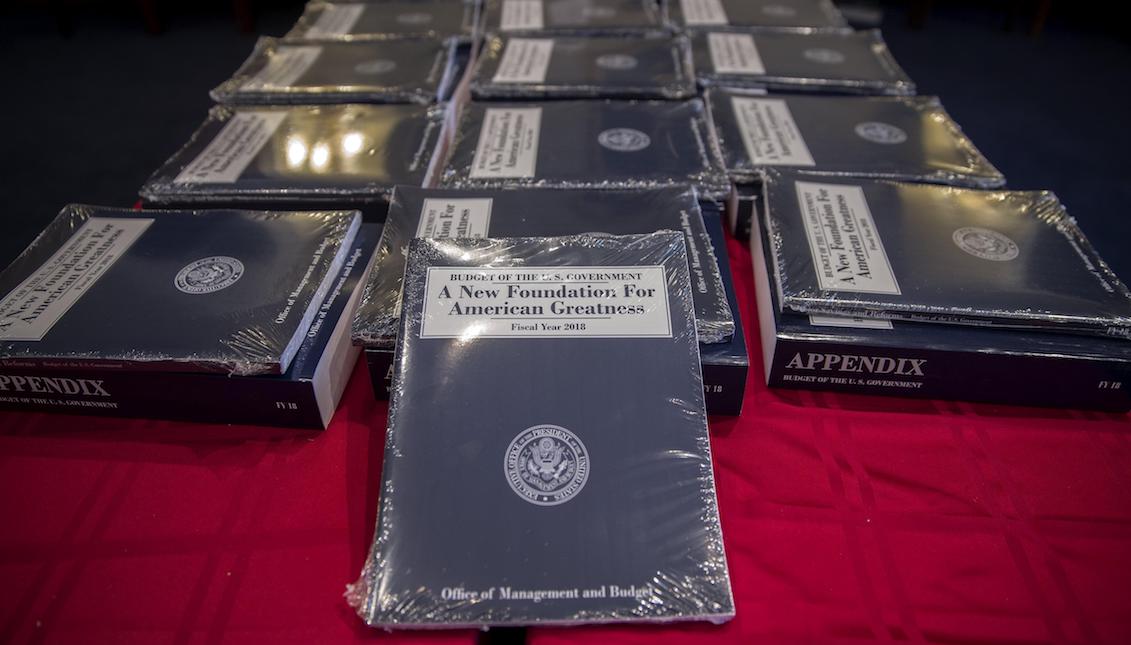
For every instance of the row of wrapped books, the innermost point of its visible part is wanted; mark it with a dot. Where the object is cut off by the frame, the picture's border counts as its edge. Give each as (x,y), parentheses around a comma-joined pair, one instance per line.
(539,65)
(549,291)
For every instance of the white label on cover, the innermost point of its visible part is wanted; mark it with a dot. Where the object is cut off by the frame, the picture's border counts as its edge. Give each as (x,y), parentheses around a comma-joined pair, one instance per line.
(703,12)
(226,157)
(844,321)
(546,302)
(445,218)
(525,60)
(734,54)
(33,308)
(284,67)
(519,15)
(848,254)
(335,20)
(508,144)
(769,132)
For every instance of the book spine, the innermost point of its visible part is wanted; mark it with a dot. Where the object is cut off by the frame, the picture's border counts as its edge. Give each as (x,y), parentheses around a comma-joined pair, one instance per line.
(725,387)
(208,398)
(380,364)
(1010,379)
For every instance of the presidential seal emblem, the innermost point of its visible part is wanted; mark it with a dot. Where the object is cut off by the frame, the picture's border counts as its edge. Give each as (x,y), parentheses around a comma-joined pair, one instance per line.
(598,12)
(546,465)
(878,132)
(616,62)
(986,244)
(415,18)
(779,11)
(209,275)
(822,55)
(624,140)
(379,66)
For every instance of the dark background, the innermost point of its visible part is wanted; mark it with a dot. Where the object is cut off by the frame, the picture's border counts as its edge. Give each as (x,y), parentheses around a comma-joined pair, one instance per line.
(88,117)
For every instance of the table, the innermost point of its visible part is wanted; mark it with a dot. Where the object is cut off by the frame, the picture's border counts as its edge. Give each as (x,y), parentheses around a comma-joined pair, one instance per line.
(846,520)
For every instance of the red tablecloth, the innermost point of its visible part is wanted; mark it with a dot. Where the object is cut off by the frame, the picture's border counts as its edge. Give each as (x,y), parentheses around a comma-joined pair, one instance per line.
(846,520)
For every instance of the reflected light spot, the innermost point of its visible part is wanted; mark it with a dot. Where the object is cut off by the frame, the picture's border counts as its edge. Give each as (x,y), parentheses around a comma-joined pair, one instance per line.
(472,332)
(351,143)
(320,156)
(296,151)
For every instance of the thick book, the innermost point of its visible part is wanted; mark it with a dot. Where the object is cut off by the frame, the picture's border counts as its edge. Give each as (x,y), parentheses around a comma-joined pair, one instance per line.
(436,213)
(926,253)
(387,20)
(304,72)
(887,137)
(550,386)
(305,396)
(836,63)
(331,154)
(587,144)
(922,360)
(198,291)
(575,17)
(803,16)
(571,67)
(725,365)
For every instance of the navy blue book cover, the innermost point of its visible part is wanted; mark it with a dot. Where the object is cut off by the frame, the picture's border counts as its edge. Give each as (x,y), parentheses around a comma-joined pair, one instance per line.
(278,153)
(923,360)
(551,386)
(586,144)
(793,15)
(304,396)
(541,66)
(228,291)
(852,63)
(888,137)
(436,213)
(930,253)
(575,17)
(312,71)
(725,365)
(386,20)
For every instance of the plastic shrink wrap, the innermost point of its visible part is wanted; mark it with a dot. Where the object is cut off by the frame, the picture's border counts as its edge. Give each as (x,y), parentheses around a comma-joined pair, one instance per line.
(926,253)
(575,17)
(904,138)
(387,20)
(285,71)
(829,63)
(417,212)
(219,291)
(547,458)
(336,154)
(629,67)
(927,360)
(587,144)
(803,16)
(305,395)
